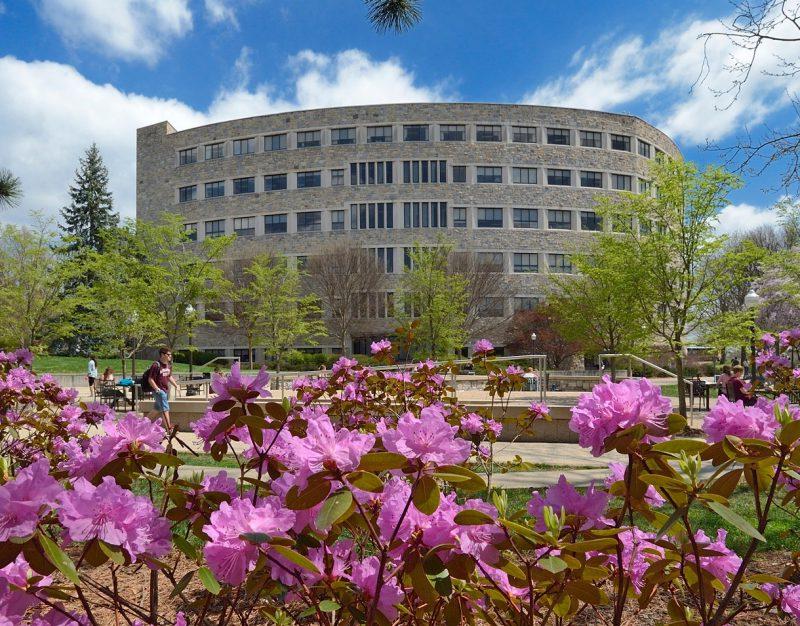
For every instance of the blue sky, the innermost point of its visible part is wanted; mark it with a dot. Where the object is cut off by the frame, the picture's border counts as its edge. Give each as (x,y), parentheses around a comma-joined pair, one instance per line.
(77,71)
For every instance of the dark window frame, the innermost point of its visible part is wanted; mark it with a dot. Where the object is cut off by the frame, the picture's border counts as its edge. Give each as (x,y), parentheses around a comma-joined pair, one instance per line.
(383,137)
(215,150)
(310,138)
(213,186)
(311,221)
(516,175)
(283,142)
(556,221)
(251,145)
(557,177)
(248,231)
(590,139)
(187,193)
(211,230)
(492,133)
(347,140)
(526,262)
(310,176)
(449,132)
(593,177)
(244,185)
(523,134)
(591,221)
(491,179)
(622,143)
(414,132)
(187,156)
(272,226)
(490,220)
(525,223)
(272,182)
(559,137)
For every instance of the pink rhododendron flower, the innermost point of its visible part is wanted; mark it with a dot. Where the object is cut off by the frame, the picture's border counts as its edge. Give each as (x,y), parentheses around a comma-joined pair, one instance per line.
(228,555)
(343,365)
(364,576)
(638,552)
(472,423)
(539,408)
(482,346)
(768,339)
(790,600)
(651,496)
(226,386)
(14,603)
(429,438)
(614,406)
(479,540)
(384,346)
(588,507)
(221,483)
(134,431)
(116,516)
(733,418)
(32,493)
(180,619)
(722,566)
(325,447)
(396,493)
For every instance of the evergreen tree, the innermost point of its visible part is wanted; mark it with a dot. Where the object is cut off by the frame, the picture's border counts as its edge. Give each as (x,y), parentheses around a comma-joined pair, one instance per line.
(91,211)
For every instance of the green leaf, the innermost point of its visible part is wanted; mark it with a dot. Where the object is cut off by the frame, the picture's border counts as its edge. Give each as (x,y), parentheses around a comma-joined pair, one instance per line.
(309,497)
(676,446)
(366,481)
(296,558)
(255,538)
(59,558)
(112,552)
(471,517)
(182,584)
(185,546)
(473,483)
(166,459)
(326,606)
(552,564)
(789,433)
(208,579)
(334,508)
(676,515)
(223,405)
(737,520)
(676,423)
(425,495)
(379,461)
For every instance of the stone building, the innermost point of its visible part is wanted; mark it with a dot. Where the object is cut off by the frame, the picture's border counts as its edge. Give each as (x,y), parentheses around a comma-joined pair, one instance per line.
(515,184)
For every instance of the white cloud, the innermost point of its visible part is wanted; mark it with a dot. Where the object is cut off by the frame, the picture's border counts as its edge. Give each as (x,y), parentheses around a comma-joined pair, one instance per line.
(661,74)
(50,114)
(133,30)
(743,217)
(219,11)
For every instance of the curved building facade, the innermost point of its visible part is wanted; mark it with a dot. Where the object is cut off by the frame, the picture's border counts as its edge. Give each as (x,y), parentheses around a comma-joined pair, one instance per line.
(516,184)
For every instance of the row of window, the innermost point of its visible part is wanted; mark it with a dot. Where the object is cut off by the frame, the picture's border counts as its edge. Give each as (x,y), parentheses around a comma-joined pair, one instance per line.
(380,215)
(414,172)
(422,132)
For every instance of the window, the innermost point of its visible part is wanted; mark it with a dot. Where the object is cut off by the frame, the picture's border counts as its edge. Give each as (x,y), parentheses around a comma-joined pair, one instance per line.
(337,220)
(621,142)
(525,303)
(415,132)
(244,185)
(424,171)
(459,217)
(490,261)
(187,156)
(275,142)
(244,146)
(379,134)
(215,189)
(559,220)
(490,218)
(489,174)
(523,134)
(558,136)
(621,182)
(275,223)
(644,149)
(309,221)
(191,231)
(185,194)
(524,175)
(488,133)
(385,258)
(425,215)
(645,186)
(372,173)
(526,218)
(215,228)
(452,132)
(559,264)
(459,173)
(491,307)
(342,136)
(592,179)
(368,215)
(337,178)
(215,151)
(244,226)
(591,139)
(591,221)
(526,262)
(242,354)
(308,179)
(274,182)
(308,139)
(559,177)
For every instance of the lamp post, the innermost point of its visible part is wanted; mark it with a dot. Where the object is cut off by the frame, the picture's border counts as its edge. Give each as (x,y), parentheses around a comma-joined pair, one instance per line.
(751,302)
(190,316)
(533,351)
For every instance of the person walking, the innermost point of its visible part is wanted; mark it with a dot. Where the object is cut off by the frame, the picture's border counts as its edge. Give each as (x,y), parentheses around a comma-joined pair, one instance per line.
(159,378)
(91,374)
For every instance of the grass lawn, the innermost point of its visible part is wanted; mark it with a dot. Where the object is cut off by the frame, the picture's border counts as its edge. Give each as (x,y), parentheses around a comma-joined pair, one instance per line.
(670,390)
(77,365)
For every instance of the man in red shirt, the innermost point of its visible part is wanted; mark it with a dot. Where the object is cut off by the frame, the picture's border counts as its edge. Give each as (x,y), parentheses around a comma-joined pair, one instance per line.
(736,386)
(159,378)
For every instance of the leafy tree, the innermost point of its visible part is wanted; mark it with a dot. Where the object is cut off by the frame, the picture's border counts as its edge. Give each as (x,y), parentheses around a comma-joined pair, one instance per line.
(436,299)
(673,258)
(90,212)
(276,309)
(339,276)
(550,341)
(592,308)
(10,189)
(34,308)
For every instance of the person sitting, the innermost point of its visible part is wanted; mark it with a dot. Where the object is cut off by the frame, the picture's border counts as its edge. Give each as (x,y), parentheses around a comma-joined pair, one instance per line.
(737,387)
(722,382)
(108,375)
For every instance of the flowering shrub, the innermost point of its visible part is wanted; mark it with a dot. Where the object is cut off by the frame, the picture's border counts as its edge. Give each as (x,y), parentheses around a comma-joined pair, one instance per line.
(357,502)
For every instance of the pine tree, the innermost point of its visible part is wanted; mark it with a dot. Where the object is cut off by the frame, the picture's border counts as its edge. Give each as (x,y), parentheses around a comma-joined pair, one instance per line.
(90,212)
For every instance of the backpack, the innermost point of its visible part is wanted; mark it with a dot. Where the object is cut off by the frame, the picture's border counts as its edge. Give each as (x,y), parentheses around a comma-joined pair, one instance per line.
(142,381)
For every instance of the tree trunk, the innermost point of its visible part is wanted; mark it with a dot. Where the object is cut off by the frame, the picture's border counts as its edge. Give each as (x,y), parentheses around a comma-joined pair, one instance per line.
(681,384)
(250,350)
(122,359)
